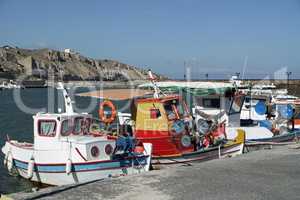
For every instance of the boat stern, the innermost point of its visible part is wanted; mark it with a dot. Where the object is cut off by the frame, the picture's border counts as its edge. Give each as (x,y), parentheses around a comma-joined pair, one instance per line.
(148,152)
(5,148)
(238,142)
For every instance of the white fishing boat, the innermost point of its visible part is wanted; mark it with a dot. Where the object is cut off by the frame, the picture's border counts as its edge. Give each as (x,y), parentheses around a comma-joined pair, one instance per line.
(65,151)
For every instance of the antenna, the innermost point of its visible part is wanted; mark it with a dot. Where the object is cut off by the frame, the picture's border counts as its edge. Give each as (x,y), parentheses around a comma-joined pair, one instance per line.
(67,99)
(184,71)
(245,66)
(288,79)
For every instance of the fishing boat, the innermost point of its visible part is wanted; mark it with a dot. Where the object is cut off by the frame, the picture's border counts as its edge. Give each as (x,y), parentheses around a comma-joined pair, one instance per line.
(165,121)
(278,113)
(66,150)
(9,85)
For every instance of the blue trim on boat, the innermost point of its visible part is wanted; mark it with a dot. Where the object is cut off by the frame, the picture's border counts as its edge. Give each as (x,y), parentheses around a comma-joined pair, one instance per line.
(279,138)
(84,166)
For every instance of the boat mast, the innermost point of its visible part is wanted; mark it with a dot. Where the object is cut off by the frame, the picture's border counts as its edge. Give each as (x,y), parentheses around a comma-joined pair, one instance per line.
(157,91)
(67,99)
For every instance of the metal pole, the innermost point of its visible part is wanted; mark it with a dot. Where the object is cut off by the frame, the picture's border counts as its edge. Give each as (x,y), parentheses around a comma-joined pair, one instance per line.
(288,79)
(184,70)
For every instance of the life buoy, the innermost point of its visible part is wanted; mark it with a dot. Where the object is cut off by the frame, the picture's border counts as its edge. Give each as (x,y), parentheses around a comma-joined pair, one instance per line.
(30,168)
(102,115)
(8,161)
(139,149)
(68,166)
(186,141)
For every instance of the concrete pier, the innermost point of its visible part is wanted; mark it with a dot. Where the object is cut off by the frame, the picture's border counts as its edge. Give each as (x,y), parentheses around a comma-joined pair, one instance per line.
(263,174)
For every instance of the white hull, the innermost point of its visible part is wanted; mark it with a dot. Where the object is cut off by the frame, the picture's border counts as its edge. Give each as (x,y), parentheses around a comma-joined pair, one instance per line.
(55,170)
(78,177)
(252,133)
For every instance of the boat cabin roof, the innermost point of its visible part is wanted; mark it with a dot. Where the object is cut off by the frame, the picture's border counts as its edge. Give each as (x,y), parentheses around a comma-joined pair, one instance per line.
(84,139)
(161,99)
(60,115)
(198,88)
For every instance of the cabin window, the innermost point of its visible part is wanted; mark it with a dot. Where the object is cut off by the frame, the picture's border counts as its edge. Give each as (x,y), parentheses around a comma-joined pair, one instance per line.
(236,104)
(211,103)
(87,124)
(247,99)
(169,108)
(47,128)
(78,125)
(154,113)
(182,108)
(175,109)
(66,128)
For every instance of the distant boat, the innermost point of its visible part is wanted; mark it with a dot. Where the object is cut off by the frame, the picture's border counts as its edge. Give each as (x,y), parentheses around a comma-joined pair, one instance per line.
(9,85)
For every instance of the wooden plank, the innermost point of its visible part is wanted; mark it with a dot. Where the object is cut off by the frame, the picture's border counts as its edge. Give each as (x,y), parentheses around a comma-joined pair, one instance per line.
(116,94)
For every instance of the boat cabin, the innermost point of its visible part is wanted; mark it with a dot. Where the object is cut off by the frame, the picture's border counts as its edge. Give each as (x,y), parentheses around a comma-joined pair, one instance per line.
(161,121)
(226,105)
(255,109)
(65,133)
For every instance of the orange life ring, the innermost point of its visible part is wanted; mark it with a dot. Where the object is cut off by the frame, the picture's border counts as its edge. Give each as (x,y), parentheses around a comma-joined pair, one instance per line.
(102,116)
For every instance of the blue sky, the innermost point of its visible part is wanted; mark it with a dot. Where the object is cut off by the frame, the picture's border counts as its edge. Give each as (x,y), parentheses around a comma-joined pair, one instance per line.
(214,37)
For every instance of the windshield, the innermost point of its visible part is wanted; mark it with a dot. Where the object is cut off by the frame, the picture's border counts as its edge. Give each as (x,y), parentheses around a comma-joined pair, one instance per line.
(175,109)
(236,104)
(66,128)
(78,126)
(47,128)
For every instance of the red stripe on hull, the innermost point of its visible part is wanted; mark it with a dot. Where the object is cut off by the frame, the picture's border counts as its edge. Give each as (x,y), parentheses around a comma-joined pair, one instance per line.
(163,142)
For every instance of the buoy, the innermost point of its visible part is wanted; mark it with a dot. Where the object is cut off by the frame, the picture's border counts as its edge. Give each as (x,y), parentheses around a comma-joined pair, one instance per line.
(5,159)
(102,115)
(286,111)
(186,141)
(30,168)
(261,108)
(139,149)
(8,161)
(68,166)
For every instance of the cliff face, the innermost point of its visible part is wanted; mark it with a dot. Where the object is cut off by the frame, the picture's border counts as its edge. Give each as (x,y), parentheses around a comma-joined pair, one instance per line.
(69,65)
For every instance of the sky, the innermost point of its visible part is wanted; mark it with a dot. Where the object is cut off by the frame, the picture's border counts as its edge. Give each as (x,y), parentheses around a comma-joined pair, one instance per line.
(215,37)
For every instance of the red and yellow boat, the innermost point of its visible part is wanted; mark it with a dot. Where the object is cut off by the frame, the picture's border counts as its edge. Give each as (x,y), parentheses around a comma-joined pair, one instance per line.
(166,123)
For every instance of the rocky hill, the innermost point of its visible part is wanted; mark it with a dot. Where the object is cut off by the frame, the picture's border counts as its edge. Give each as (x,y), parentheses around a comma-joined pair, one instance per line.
(35,63)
